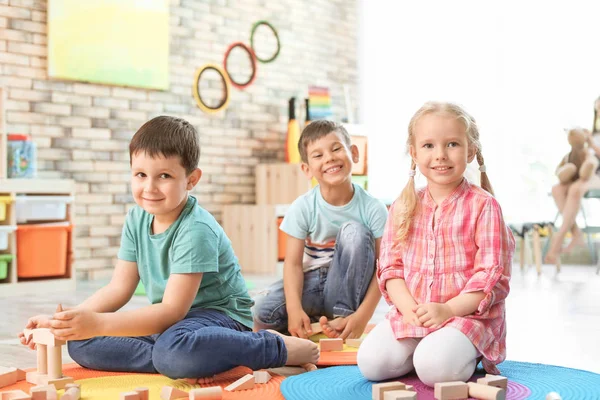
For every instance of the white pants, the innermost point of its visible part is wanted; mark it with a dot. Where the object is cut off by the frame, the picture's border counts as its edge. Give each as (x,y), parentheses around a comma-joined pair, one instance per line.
(442,356)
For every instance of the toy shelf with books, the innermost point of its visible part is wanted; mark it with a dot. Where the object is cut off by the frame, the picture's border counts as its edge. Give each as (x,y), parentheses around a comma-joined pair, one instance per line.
(36,229)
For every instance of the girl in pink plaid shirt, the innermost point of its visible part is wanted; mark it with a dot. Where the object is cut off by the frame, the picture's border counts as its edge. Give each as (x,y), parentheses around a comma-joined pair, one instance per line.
(445,261)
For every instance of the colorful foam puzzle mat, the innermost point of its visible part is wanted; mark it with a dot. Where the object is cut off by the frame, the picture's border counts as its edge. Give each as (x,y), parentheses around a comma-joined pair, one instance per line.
(100,385)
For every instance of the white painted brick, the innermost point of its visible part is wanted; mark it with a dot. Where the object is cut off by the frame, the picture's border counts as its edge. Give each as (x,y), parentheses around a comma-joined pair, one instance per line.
(16,35)
(41,142)
(89,89)
(82,187)
(92,112)
(27,117)
(90,133)
(115,188)
(110,102)
(17,105)
(79,100)
(133,94)
(111,166)
(94,198)
(14,12)
(90,155)
(11,58)
(38,16)
(48,130)
(33,4)
(27,48)
(113,145)
(107,251)
(105,231)
(129,115)
(75,122)
(52,154)
(106,209)
(117,219)
(3,22)
(52,108)
(75,165)
(30,95)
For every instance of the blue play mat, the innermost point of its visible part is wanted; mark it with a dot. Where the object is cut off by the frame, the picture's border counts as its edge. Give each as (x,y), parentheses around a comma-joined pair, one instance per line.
(526,381)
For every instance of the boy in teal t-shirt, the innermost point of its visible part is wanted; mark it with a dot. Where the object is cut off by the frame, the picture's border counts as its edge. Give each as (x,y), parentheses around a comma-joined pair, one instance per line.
(199,323)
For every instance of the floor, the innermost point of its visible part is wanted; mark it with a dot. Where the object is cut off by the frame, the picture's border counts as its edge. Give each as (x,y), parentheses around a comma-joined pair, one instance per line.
(552,319)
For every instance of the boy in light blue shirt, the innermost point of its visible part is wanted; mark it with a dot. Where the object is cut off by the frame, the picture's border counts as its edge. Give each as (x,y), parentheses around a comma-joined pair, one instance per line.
(333,235)
(199,321)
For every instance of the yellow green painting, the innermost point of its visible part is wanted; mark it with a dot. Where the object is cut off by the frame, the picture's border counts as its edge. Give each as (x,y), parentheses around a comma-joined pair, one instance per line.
(117,42)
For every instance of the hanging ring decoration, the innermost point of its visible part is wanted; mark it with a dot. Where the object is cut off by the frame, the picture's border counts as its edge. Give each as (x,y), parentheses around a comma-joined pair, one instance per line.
(254,27)
(226,86)
(251,55)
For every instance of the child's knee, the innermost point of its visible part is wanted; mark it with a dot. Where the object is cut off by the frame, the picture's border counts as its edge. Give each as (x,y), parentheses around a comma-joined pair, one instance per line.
(267,312)
(80,353)
(353,233)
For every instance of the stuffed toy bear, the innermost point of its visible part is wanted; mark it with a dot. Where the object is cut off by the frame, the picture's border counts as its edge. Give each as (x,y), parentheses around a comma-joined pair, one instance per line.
(580,163)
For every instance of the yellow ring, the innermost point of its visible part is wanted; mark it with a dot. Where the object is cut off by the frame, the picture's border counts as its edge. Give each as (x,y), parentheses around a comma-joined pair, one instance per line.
(196,86)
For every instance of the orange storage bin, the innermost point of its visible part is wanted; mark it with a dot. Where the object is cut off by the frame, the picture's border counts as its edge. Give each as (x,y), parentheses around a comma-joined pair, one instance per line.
(281,240)
(42,250)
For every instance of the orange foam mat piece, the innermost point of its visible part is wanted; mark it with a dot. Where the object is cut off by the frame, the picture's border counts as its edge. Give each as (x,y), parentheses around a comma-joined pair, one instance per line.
(344,357)
(108,385)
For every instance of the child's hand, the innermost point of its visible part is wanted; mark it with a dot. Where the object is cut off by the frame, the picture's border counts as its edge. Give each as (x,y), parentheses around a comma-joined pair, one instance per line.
(299,324)
(433,315)
(412,319)
(39,321)
(352,326)
(76,324)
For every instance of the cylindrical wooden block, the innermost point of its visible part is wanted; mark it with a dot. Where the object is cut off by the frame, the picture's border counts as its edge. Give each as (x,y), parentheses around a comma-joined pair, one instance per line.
(144,392)
(209,393)
(54,362)
(42,359)
(485,392)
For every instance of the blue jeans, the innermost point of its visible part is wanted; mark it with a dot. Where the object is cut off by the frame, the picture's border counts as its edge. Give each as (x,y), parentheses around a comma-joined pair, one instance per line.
(206,342)
(333,291)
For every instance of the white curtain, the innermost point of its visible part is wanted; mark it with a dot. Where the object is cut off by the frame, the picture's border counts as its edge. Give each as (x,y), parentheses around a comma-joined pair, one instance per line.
(526,70)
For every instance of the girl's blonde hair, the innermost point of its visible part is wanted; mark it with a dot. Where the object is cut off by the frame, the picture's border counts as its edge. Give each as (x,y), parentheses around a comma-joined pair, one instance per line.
(408,201)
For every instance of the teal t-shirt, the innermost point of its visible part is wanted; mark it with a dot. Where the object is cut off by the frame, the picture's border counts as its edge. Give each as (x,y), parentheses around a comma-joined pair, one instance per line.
(194,243)
(317,222)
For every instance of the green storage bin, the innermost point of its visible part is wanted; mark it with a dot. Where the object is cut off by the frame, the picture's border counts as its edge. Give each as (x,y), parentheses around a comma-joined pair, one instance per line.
(4,260)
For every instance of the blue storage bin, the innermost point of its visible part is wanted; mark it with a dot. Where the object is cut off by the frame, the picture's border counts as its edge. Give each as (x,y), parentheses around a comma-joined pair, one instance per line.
(22,155)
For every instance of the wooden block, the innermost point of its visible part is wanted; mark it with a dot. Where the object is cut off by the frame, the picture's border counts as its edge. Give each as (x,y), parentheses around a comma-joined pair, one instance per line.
(44,336)
(451,390)
(209,393)
(72,393)
(8,376)
(410,388)
(171,393)
(42,358)
(244,383)
(14,395)
(485,392)
(378,389)
(21,375)
(70,385)
(496,380)
(60,383)
(27,333)
(54,362)
(143,392)
(34,377)
(353,342)
(335,344)
(316,328)
(261,376)
(130,396)
(45,392)
(400,395)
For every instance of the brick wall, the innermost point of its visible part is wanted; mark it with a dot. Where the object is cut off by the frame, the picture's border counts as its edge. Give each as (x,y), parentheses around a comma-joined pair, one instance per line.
(82,130)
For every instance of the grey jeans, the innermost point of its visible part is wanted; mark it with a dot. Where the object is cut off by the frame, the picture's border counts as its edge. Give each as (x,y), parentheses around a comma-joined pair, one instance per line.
(334,291)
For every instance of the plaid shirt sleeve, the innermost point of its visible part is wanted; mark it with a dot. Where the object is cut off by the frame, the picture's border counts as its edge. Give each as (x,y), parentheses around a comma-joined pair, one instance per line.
(390,265)
(492,264)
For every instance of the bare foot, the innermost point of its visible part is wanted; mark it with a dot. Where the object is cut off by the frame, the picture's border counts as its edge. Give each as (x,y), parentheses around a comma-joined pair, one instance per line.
(330,328)
(299,351)
(194,381)
(309,367)
(576,241)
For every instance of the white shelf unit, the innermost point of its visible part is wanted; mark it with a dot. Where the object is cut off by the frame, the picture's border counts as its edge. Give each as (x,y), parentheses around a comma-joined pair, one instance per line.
(14,187)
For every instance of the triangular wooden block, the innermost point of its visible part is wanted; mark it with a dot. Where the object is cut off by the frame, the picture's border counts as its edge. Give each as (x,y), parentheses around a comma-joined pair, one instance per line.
(15,395)
(171,393)
(244,383)
(261,376)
